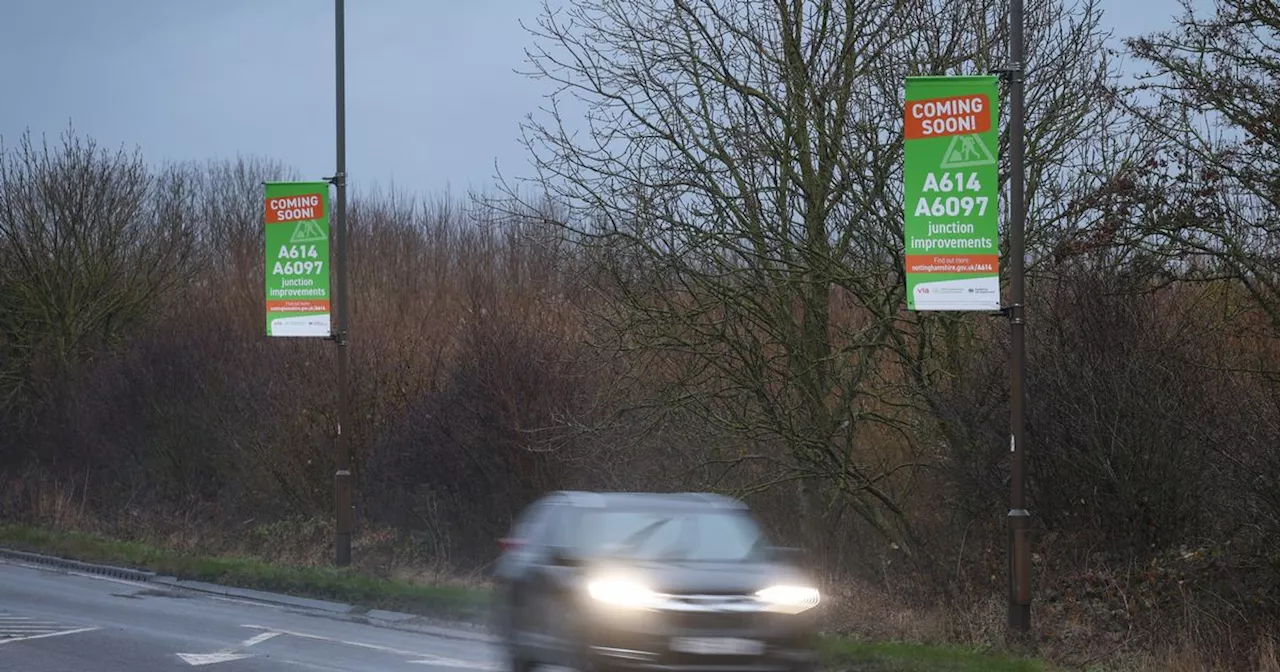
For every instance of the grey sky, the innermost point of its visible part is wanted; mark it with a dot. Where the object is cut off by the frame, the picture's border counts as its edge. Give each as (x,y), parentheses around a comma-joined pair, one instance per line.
(433,98)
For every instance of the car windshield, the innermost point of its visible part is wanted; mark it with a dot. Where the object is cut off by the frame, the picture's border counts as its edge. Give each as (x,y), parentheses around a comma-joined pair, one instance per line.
(707,536)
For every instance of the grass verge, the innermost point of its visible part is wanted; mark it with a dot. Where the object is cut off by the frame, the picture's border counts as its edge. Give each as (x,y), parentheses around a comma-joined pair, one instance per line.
(343,585)
(454,602)
(847,654)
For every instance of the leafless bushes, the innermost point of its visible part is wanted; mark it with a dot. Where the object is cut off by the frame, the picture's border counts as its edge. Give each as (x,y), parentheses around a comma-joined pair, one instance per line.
(468,369)
(90,241)
(1150,438)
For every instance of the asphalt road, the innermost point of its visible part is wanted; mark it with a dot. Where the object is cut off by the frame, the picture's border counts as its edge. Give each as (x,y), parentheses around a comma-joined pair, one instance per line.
(55,621)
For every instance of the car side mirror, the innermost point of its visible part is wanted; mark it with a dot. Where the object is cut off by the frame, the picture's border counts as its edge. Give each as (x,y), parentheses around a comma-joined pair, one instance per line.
(787,554)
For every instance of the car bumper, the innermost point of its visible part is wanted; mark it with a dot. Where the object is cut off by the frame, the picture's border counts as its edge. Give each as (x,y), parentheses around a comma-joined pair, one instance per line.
(666,641)
(622,659)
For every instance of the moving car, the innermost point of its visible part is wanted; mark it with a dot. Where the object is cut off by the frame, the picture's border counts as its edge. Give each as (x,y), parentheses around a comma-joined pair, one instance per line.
(650,581)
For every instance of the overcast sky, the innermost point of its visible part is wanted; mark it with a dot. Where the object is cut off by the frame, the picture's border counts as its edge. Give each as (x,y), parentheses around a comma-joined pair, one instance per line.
(433,99)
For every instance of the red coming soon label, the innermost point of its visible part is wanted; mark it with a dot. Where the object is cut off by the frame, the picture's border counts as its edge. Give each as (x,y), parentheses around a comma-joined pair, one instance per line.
(302,208)
(942,117)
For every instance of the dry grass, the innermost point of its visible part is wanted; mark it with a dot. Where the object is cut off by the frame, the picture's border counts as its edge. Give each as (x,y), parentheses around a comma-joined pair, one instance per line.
(1192,654)
(1267,657)
(1091,637)
(865,611)
(57,505)
(1189,655)
(856,608)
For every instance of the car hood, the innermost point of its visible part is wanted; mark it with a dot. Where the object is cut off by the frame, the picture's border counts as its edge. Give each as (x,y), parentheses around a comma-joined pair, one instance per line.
(708,578)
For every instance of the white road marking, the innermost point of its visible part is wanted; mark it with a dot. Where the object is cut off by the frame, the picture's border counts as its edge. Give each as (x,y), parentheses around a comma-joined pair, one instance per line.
(15,628)
(314,666)
(211,658)
(422,658)
(446,662)
(7,640)
(227,654)
(258,639)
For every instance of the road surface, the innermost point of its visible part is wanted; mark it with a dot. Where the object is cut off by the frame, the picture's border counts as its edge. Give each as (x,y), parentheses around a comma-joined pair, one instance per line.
(55,621)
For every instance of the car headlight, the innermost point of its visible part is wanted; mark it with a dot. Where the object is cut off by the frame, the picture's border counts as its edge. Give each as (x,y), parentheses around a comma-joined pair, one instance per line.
(622,593)
(788,599)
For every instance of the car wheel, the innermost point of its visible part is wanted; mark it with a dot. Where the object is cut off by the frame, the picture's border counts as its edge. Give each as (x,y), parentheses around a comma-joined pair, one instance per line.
(805,667)
(582,662)
(575,638)
(506,626)
(517,663)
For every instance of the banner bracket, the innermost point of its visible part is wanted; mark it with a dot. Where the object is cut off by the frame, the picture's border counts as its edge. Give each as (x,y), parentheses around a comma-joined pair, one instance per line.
(1014,313)
(1013,71)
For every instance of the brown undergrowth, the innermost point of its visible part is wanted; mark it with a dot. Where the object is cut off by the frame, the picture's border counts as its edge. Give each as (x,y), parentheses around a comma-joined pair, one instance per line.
(294,541)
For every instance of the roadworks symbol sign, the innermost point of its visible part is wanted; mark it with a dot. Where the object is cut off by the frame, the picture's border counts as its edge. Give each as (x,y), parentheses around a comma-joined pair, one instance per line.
(308,232)
(966,151)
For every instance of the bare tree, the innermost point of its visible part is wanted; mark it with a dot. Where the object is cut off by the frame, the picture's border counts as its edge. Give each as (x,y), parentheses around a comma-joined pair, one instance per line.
(739,178)
(1208,197)
(90,241)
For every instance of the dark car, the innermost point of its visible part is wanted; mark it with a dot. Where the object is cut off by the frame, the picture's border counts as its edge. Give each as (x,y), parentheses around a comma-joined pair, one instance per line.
(650,581)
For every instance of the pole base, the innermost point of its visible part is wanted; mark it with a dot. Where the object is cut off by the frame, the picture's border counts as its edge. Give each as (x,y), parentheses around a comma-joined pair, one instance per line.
(1019,571)
(342,550)
(1019,619)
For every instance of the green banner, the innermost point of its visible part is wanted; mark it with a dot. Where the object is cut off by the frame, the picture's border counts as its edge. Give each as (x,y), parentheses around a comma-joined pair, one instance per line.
(952,194)
(297,259)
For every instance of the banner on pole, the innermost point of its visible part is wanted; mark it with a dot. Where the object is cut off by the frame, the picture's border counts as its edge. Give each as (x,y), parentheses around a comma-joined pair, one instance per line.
(952,195)
(298,297)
